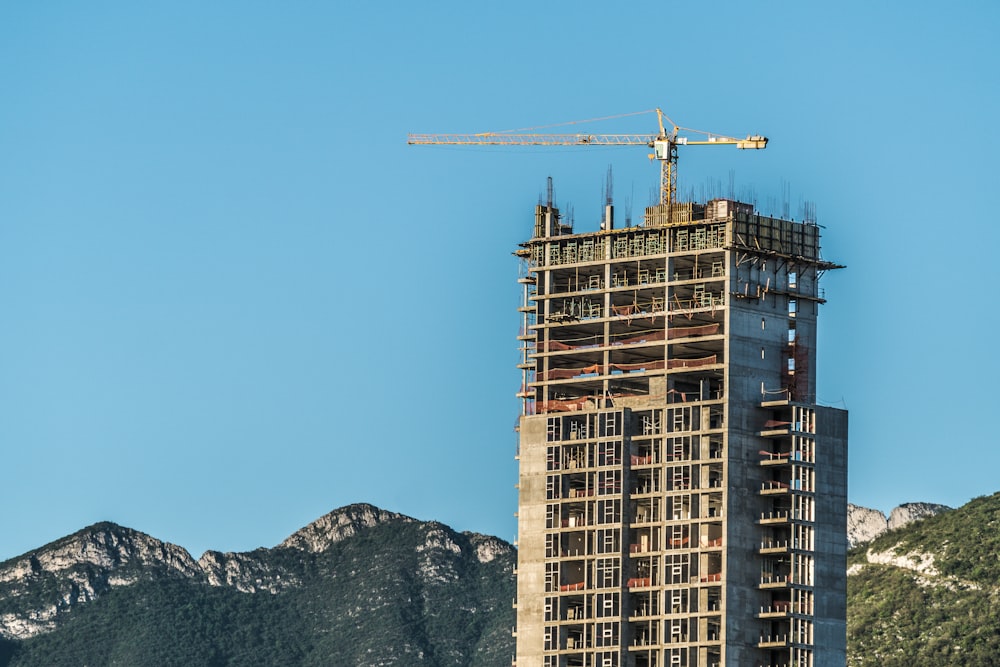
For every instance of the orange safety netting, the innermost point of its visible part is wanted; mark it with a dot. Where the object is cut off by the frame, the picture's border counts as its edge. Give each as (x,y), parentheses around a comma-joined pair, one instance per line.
(543,407)
(630,309)
(692,363)
(647,366)
(566,373)
(647,337)
(562,406)
(684,332)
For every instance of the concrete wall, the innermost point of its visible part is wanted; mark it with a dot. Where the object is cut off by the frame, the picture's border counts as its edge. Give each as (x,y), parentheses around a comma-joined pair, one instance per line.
(747,372)
(531,549)
(831,538)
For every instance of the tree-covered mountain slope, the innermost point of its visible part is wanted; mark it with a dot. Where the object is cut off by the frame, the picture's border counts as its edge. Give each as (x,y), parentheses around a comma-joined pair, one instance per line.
(358,587)
(362,586)
(929,593)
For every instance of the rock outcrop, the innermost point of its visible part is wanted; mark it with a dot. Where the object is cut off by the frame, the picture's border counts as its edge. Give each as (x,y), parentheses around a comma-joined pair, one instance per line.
(865,524)
(46,582)
(910,512)
(487,547)
(338,525)
(246,572)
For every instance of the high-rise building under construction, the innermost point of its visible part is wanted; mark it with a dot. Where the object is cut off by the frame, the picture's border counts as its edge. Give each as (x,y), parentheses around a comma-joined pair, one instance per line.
(682,496)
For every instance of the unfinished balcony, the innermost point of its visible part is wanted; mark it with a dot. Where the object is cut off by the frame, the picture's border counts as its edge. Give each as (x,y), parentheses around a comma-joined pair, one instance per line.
(773,580)
(775,634)
(774,546)
(770,459)
(781,608)
(783,452)
(774,487)
(788,418)
(774,641)
(777,517)
(776,609)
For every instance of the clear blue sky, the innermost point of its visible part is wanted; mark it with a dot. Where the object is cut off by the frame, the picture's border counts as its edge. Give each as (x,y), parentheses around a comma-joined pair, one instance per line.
(233,299)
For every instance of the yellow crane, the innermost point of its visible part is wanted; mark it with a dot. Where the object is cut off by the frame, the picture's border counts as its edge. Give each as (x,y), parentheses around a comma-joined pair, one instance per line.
(664,144)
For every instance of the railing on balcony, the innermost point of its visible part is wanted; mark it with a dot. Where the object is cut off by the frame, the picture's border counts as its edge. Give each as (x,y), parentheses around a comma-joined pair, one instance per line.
(773,486)
(770,579)
(768,641)
(771,544)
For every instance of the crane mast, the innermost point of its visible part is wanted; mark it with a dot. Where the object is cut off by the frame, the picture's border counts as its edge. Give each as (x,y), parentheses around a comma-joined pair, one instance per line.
(664,144)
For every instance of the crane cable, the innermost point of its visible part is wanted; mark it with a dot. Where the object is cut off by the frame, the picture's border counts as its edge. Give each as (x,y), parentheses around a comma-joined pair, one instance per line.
(576,122)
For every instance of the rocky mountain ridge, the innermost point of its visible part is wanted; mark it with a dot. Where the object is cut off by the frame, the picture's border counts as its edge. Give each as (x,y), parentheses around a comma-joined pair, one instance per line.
(865,524)
(87,564)
(112,595)
(43,585)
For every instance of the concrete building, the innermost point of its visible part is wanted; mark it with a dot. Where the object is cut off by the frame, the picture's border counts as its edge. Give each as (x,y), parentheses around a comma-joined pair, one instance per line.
(683,500)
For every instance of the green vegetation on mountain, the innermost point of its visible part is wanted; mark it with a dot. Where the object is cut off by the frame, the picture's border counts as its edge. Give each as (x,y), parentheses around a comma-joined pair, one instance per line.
(398,593)
(364,588)
(929,593)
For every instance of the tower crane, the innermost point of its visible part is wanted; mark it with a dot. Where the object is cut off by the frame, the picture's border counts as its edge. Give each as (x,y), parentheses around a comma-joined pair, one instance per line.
(664,144)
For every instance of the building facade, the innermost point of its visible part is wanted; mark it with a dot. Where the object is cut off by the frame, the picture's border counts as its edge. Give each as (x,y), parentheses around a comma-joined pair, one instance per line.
(682,497)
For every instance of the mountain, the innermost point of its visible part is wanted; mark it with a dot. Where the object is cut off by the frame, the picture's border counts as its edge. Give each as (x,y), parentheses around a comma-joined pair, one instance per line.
(359,586)
(928,592)
(362,586)
(864,524)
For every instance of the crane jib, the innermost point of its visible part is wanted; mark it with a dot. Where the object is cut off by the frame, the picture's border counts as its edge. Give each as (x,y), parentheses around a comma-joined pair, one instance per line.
(664,144)
(499,139)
